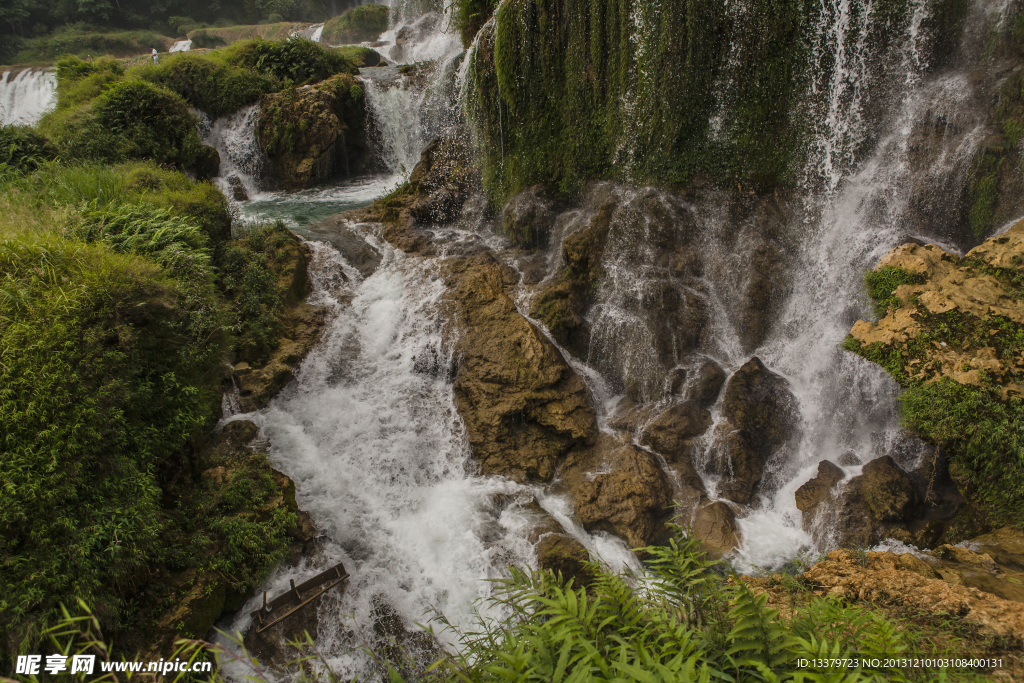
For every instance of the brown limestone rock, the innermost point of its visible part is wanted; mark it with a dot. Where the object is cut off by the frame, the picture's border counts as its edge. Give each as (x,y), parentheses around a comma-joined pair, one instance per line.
(887,490)
(761,414)
(442,180)
(707,383)
(523,406)
(671,433)
(715,526)
(888,580)
(528,218)
(563,554)
(629,495)
(818,490)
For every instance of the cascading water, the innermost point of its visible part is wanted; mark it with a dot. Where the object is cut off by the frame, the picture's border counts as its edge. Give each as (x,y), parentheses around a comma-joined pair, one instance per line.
(26,95)
(242,163)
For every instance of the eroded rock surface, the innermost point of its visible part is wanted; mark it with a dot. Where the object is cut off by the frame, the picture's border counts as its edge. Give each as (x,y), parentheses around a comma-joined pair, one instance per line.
(523,406)
(761,414)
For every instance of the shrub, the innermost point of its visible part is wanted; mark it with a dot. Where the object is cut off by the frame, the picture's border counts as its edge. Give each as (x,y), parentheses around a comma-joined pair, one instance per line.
(357,25)
(984,435)
(79,82)
(24,148)
(202,39)
(298,60)
(209,84)
(131,120)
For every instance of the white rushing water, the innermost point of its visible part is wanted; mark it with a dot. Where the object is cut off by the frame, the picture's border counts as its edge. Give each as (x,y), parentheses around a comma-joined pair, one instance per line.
(242,162)
(370,434)
(26,95)
(181,46)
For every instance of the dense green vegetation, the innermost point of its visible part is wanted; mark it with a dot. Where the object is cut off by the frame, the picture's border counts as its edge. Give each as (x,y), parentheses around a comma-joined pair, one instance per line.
(981,427)
(32,30)
(118,291)
(563,92)
(357,25)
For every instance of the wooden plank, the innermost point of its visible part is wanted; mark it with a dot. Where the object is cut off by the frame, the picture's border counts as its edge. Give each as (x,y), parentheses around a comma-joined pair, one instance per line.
(286,604)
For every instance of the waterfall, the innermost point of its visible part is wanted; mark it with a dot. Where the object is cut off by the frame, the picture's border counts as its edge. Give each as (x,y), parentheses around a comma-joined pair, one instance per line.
(371,436)
(26,95)
(409,110)
(181,46)
(313,33)
(243,165)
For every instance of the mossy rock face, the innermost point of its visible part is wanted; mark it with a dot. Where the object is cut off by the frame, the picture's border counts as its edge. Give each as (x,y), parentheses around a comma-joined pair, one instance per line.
(564,555)
(529,217)
(311,133)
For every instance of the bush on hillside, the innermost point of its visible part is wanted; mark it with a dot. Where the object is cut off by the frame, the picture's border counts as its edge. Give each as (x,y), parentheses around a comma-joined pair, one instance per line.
(209,84)
(79,81)
(297,60)
(202,39)
(24,148)
(357,25)
(131,120)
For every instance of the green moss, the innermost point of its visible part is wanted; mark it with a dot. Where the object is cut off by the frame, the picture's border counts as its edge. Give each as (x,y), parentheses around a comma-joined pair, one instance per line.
(357,25)
(211,84)
(882,284)
(470,16)
(296,60)
(984,436)
(984,195)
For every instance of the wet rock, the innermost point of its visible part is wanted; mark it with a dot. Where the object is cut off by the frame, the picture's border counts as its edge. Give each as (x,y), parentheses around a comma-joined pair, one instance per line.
(761,416)
(337,232)
(238,191)
(528,218)
(442,180)
(715,526)
(887,491)
(396,643)
(671,433)
(314,132)
(207,165)
(620,489)
(818,490)
(707,383)
(848,459)
(563,554)
(675,381)
(523,406)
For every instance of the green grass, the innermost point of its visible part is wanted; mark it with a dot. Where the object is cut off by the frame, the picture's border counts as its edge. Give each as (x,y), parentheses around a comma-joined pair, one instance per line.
(84,43)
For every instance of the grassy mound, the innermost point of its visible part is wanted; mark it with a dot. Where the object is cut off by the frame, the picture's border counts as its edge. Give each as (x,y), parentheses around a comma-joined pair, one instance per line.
(357,25)
(114,334)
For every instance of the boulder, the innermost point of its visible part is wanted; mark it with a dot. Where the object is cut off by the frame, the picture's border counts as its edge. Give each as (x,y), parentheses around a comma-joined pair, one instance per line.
(818,490)
(563,554)
(672,432)
(620,489)
(311,133)
(707,384)
(529,217)
(523,406)
(443,179)
(337,232)
(675,381)
(715,526)
(761,416)
(887,491)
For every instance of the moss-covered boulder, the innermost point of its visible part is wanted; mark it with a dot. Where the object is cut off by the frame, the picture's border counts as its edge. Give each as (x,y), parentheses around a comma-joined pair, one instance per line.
(313,132)
(529,217)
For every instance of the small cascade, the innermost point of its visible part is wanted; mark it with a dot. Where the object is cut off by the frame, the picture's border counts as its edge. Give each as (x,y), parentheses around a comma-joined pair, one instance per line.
(379,456)
(26,95)
(181,46)
(243,165)
(313,33)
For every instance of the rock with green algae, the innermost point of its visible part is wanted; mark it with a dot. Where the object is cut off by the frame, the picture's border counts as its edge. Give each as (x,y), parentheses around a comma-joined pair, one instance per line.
(313,132)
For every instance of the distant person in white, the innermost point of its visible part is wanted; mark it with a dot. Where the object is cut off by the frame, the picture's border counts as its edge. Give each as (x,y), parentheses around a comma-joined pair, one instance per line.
(156,59)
